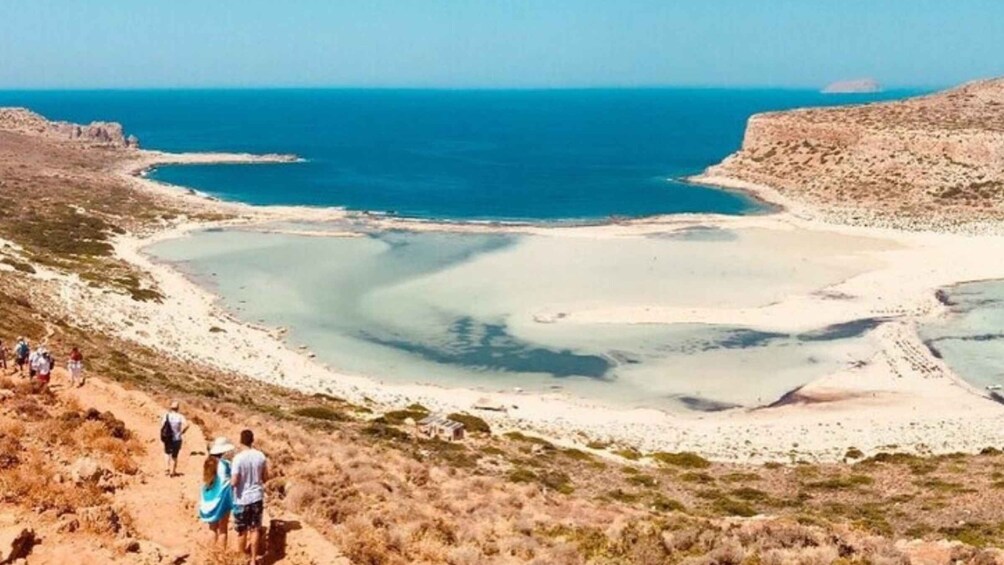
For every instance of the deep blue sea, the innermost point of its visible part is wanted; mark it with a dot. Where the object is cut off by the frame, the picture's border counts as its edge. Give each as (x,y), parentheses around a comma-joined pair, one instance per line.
(536,155)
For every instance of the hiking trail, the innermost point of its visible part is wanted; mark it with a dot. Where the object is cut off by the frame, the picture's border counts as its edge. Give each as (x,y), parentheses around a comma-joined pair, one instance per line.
(164,509)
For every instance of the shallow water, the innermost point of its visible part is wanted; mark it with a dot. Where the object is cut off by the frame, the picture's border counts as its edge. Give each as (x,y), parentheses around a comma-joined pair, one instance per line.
(971,338)
(460,309)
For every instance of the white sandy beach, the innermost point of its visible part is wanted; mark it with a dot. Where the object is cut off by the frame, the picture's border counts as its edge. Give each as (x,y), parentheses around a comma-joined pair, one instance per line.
(902,397)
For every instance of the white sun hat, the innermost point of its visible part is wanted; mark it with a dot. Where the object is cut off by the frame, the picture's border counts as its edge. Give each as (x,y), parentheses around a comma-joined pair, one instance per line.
(220,446)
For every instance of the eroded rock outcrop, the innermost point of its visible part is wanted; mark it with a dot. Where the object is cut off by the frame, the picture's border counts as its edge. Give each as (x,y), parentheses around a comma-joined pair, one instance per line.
(108,134)
(938,157)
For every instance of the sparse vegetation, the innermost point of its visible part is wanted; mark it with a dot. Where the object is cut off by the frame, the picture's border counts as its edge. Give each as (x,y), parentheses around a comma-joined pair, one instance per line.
(472,424)
(320,413)
(684,460)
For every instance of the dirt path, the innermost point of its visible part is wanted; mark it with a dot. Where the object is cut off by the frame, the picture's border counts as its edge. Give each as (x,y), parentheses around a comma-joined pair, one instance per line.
(163,509)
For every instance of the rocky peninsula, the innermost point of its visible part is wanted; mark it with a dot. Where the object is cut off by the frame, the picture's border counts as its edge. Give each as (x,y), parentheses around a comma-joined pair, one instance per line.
(935,161)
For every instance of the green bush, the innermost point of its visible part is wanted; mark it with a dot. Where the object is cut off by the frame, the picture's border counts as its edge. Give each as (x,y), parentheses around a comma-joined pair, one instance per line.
(686,460)
(521,475)
(320,413)
(662,504)
(523,438)
(628,453)
(643,480)
(472,424)
(732,507)
(842,483)
(397,417)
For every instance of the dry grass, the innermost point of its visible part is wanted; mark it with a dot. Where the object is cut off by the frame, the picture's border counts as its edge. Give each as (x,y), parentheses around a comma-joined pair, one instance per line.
(43,439)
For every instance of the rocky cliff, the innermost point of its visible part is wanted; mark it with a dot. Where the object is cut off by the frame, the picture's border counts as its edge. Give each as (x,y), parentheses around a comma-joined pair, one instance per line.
(937,157)
(107,134)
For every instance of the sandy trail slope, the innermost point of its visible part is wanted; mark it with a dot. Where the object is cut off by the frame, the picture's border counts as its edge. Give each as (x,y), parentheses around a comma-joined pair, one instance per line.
(164,509)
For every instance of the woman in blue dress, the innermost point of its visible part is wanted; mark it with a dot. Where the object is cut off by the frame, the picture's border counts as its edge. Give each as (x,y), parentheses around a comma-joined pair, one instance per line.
(216,501)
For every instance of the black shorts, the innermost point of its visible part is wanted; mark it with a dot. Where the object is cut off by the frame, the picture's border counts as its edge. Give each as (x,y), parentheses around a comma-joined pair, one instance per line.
(172,448)
(248,516)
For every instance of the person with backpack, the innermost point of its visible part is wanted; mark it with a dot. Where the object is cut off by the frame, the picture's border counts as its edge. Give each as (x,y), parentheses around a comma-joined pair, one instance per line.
(172,430)
(21,351)
(76,367)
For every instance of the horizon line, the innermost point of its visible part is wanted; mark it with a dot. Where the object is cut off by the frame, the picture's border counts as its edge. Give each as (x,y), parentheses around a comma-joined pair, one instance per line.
(893,88)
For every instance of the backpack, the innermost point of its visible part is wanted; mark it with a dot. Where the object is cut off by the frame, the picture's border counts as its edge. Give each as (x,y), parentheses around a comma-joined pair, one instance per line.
(22,349)
(166,431)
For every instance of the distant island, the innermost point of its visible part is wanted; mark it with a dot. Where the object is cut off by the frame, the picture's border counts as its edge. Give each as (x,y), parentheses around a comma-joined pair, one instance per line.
(854,86)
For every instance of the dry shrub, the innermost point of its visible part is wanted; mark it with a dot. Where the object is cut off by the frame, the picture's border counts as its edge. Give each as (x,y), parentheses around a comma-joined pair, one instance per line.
(779,534)
(803,556)
(100,519)
(24,388)
(301,496)
(12,428)
(10,451)
(730,551)
(34,485)
(465,555)
(124,463)
(28,408)
(217,557)
(365,544)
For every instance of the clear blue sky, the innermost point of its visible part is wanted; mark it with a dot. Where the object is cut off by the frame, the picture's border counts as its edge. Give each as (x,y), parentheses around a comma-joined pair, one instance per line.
(496,43)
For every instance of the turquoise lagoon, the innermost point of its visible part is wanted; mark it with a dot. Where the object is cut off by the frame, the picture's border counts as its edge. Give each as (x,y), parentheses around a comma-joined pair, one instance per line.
(457,309)
(971,337)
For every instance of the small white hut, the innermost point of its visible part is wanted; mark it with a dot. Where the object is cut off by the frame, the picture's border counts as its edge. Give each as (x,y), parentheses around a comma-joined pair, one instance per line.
(439,426)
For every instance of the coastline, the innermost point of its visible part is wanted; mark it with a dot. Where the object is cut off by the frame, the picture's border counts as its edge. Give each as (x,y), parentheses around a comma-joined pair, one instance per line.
(838,409)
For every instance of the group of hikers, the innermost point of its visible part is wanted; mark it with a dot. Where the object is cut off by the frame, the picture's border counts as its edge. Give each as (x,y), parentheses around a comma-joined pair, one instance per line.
(233,477)
(40,363)
(233,483)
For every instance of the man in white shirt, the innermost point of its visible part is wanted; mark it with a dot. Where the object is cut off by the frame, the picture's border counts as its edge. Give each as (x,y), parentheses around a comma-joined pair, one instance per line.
(250,473)
(175,426)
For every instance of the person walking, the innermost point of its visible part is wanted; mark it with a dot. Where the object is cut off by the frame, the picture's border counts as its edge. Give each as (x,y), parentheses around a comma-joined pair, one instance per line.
(76,367)
(33,360)
(250,473)
(43,368)
(216,500)
(172,430)
(3,356)
(21,351)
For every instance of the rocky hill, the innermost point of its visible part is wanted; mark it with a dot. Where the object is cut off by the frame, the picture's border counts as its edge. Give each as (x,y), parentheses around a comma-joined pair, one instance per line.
(933,158)
(109,134)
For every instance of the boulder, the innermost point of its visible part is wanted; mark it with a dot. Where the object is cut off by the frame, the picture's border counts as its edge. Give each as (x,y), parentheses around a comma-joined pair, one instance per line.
(99,520)
(127,545)
(68,524)
(16,543)
(87,470)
